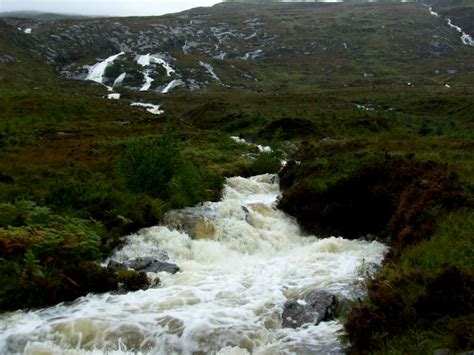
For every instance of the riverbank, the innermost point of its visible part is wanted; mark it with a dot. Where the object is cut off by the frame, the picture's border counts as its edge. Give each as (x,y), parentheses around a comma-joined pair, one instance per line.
(421,300)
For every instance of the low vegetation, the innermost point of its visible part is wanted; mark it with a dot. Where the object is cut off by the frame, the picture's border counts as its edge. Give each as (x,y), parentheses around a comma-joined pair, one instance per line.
(422,299)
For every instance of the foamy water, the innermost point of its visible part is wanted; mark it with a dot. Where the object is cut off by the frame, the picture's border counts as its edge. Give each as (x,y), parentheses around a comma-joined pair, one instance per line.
(228,297)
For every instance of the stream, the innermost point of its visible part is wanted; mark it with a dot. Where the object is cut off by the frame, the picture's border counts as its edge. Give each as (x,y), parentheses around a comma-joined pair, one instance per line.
(244,261)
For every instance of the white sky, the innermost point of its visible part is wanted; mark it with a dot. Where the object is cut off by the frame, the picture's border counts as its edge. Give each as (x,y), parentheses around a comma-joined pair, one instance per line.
(105,7)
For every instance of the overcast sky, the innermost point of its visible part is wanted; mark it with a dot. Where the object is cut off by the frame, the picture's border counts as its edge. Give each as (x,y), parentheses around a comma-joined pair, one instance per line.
(105,7)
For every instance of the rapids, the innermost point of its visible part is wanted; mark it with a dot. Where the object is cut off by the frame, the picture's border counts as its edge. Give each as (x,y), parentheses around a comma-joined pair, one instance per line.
(235,277)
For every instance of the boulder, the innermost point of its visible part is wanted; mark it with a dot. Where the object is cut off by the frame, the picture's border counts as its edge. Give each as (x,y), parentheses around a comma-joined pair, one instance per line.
(197,221)
(148,264)
(316,307)
(144,264)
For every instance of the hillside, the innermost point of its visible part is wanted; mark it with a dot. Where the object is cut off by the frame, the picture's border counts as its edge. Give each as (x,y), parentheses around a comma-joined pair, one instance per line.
(361,46)
(106,124)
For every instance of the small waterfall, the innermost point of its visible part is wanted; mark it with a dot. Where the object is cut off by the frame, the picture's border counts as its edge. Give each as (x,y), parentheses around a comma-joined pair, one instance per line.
(245,259)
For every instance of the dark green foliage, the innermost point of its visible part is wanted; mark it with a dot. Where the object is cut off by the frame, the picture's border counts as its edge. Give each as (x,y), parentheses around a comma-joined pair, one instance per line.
(191,185)
(157,168)
(114,70)
(290,128)
(148,166)
(400,198)
(265,163)
(448,293)
(75,189)
(46,258)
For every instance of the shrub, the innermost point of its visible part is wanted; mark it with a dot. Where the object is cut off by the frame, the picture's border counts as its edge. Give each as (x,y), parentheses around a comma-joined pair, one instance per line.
(265,163)
(191,185)
(147,166)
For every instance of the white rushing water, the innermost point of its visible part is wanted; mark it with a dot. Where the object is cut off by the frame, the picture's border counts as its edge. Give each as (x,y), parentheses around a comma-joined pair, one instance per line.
(113,96)
(171,85)
(210,69)
(148,59)
(153,109)
(148,81)
(119,80)
(466,38)
(96,73)
(246,260)
(261,148)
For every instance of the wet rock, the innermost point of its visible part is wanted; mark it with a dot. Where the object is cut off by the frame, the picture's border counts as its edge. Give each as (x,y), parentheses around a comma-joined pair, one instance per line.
(191,221)
(5,59)
(148,264)
(369,269)
(115,266)
(316,307)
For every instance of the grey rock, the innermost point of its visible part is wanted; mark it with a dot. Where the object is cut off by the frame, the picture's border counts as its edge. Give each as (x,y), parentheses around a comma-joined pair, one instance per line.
(160,266)
(115,266)
(316,307)
(149,264)
(369,269)
(5,59)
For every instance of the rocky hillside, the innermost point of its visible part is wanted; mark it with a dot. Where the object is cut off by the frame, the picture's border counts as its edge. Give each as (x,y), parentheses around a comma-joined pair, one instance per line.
(309,45)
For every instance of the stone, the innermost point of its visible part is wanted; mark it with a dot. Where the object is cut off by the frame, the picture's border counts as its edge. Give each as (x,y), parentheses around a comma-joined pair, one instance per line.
(115,266)
(316,307)
(160,266)
(149,264)
(197,221)
(5,59)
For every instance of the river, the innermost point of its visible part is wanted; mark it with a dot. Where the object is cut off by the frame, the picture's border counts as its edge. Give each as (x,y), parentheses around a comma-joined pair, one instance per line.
(246,259)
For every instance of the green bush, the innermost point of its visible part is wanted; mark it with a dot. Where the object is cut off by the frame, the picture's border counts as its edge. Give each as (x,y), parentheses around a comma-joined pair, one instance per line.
(265,163)
(147,166)
(191,185)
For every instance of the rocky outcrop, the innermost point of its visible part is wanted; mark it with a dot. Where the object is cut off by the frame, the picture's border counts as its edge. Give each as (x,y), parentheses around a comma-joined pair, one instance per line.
(316,307)
(144,264)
